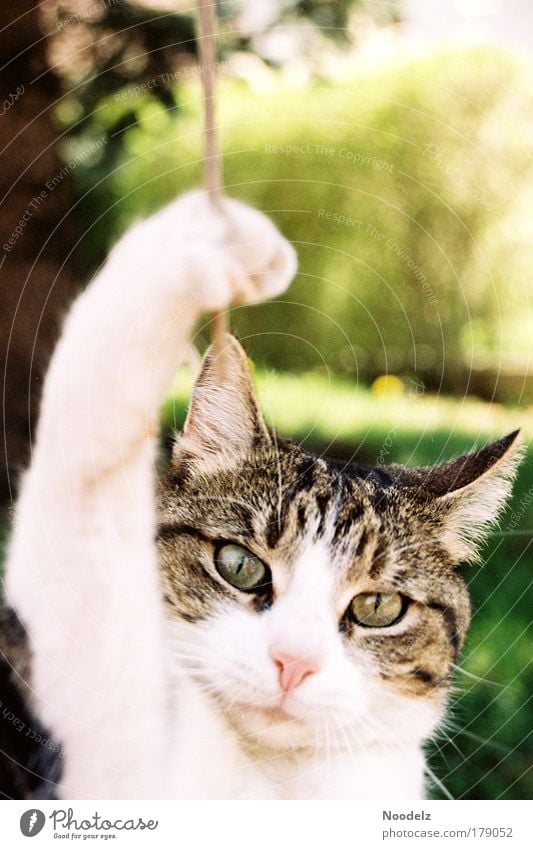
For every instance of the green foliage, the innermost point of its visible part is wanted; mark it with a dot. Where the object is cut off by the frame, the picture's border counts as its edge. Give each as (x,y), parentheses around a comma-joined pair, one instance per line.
(119,52)
(404,193)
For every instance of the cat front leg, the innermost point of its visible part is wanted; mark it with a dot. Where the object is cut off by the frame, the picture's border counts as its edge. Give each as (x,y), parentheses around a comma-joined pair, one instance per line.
(82,568)
(129,331)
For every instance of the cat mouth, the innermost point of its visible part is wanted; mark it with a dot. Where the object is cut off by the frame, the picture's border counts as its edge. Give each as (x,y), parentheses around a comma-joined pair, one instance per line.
(276,714)
(276,727)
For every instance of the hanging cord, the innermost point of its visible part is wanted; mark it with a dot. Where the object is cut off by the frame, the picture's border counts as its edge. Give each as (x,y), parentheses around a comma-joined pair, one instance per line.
(212,157)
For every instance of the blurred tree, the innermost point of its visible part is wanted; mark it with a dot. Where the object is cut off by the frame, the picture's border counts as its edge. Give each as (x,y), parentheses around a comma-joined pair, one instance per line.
(68,60)
(37,273)
(111,51)
(93,48)
(105,52)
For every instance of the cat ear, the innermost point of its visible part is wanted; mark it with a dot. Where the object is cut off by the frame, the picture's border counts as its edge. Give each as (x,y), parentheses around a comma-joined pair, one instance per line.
(471,492)
(224,422)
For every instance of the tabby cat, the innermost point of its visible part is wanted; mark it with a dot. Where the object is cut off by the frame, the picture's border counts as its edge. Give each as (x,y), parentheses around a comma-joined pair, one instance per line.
(298,638)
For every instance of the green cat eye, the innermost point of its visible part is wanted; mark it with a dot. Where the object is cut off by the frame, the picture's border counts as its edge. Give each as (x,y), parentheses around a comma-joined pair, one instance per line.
(240,568)
(378,610)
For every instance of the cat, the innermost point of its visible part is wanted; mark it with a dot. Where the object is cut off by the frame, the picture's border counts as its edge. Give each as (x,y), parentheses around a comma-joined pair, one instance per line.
(257,622)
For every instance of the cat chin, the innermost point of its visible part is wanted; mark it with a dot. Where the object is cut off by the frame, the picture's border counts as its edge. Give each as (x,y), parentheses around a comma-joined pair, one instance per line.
(273,729)
(295,727)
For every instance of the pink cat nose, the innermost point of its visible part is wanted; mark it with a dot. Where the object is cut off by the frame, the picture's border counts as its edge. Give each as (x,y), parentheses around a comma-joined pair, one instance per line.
(293,669)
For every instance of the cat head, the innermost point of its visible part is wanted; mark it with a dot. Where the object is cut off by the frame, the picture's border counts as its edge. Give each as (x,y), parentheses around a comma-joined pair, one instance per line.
(312,598)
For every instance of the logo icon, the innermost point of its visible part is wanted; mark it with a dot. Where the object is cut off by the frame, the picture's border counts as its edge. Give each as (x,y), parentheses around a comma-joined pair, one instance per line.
(32,822)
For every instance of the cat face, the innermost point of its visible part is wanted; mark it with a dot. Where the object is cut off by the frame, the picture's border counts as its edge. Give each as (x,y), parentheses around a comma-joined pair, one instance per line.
(315,601)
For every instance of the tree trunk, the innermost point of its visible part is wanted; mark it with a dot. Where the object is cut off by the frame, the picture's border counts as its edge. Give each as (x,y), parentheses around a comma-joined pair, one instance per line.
(37,276)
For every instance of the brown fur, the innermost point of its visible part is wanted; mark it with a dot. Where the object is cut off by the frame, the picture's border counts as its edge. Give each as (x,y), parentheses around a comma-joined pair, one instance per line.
(387,530)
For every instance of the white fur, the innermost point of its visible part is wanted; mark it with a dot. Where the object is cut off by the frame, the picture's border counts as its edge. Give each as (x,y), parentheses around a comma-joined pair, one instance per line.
(474,509)
(343,734)
(128,701)
(81,570)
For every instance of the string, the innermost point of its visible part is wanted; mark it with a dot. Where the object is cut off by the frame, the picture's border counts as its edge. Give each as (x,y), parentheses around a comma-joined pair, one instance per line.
(212,159)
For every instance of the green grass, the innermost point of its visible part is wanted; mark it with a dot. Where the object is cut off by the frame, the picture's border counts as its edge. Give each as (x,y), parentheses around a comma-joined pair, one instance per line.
(326,412)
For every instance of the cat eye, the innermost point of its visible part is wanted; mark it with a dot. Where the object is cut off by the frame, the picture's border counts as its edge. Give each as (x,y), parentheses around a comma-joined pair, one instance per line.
(378,610)
(242,569)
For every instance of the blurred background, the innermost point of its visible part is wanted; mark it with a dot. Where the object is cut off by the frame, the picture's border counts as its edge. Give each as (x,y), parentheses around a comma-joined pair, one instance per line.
(392,143)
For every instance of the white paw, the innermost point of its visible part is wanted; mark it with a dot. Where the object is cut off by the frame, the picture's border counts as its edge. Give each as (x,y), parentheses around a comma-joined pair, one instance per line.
(239,254)
(266,260)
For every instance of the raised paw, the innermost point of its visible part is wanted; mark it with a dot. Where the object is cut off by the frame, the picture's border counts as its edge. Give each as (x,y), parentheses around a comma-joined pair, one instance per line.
(265,259)
(235,254)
